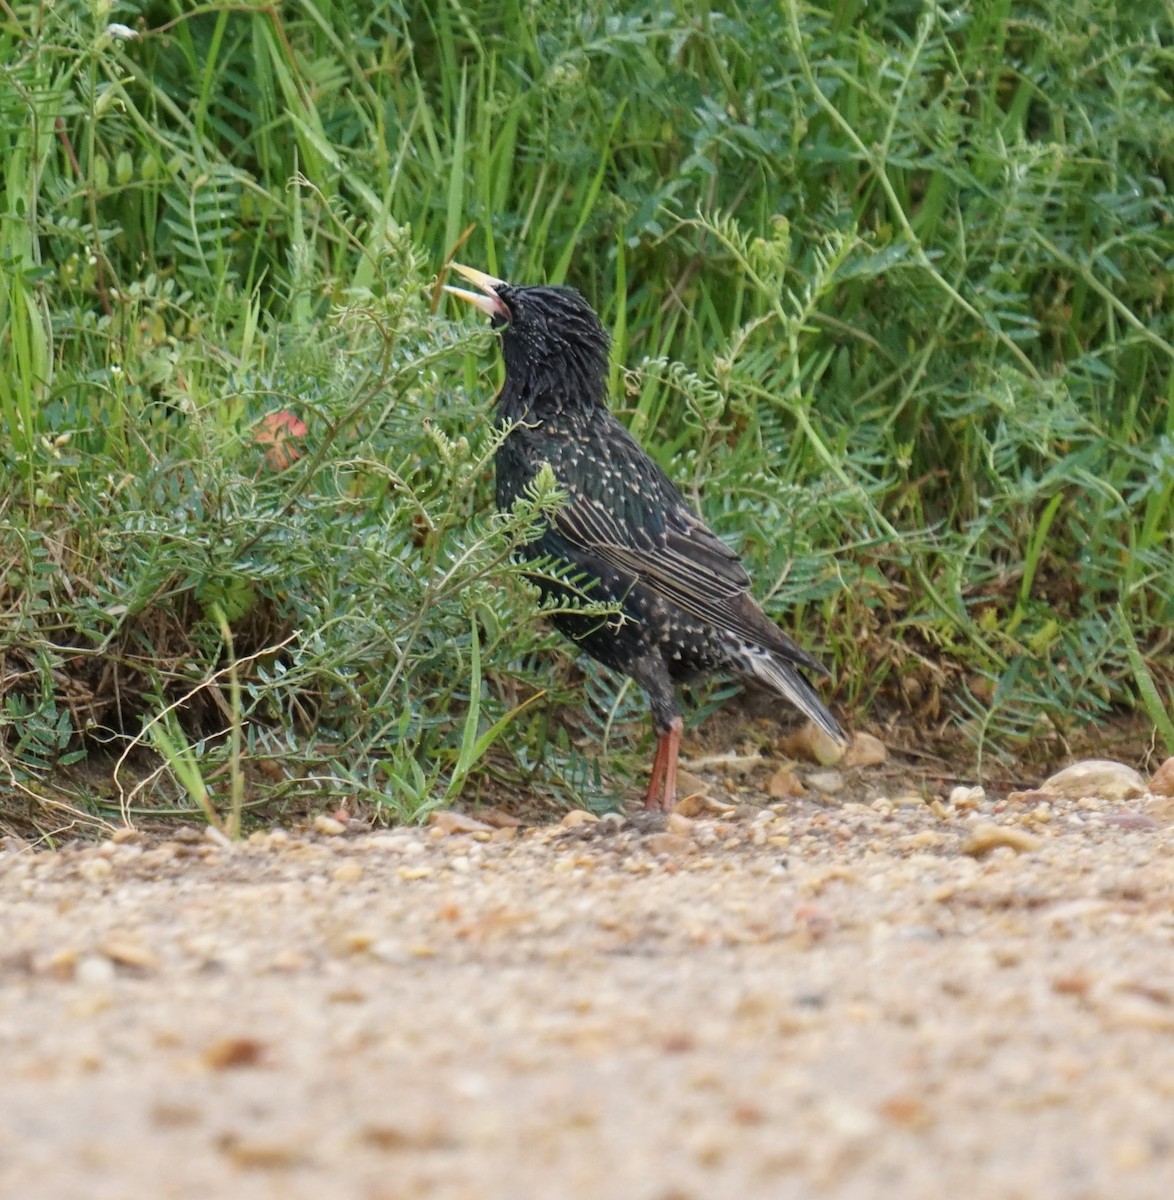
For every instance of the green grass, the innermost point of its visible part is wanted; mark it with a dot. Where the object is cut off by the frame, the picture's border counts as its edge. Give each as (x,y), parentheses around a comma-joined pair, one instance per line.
(890,293)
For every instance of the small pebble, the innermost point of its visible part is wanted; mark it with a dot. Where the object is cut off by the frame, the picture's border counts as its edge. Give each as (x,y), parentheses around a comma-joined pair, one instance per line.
(985,838)
(671,845)
(230,1053)
(287,960)
(127,951)
(680,825)
(258,1154)
(95,869)
(965,798)
(388,950)
(908,800)
(94,970)
(828,782)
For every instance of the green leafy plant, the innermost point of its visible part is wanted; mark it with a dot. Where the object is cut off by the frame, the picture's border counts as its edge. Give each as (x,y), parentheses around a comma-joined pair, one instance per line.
(888,286)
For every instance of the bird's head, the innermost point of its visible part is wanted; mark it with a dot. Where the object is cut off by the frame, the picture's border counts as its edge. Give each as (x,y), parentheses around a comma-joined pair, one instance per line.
(554,346)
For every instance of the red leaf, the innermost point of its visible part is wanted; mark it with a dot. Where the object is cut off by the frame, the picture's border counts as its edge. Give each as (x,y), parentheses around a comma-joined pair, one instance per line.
(277,434)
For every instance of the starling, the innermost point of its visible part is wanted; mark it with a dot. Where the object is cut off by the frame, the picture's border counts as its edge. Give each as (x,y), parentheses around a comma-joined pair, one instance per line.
(684,600)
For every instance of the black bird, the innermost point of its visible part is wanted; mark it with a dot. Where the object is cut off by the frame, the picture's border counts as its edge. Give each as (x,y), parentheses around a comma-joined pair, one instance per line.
(684,596)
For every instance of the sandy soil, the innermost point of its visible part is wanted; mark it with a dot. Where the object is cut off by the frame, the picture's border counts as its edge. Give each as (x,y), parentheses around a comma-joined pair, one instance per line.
(810,1002)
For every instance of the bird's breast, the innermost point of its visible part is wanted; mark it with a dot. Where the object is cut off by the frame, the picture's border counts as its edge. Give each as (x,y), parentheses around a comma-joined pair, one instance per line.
(527,448)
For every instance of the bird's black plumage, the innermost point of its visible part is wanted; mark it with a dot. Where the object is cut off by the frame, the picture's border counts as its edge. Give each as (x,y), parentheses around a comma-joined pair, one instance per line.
(684,595)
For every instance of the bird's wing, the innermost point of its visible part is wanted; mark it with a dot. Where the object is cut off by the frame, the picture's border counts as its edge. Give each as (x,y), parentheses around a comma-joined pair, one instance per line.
(685,564)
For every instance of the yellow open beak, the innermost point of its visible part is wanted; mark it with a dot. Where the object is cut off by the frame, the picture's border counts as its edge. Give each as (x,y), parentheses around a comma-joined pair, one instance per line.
(487,299)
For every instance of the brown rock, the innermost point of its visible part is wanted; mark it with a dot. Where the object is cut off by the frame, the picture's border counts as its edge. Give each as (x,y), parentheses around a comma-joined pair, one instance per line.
(689,784)
(672,845)
(1075,983)
(1034,796)
(61,964)
(864,751)
(393,1137)
(907,1111)
(260,1154)
(1162,783)
(701,805)
(455,822)
(500,819)
(784,783)
(353,941)
(578,816)
(226,1054)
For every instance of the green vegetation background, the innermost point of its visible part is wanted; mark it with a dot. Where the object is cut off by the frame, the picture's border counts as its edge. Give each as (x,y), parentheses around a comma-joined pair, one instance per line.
(890,290)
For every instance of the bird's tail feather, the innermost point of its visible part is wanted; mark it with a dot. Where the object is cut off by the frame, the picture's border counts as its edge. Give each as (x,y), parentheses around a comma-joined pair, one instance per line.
(780,675)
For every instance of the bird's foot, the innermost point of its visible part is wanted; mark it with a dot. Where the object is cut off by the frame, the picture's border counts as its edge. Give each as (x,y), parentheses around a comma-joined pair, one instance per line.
(662,784)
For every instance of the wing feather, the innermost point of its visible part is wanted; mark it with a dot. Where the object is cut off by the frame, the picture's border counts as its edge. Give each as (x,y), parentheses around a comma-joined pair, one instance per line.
(686,564)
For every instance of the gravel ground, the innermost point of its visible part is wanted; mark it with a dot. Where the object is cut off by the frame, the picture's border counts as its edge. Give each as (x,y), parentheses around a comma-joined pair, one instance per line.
(862,1000)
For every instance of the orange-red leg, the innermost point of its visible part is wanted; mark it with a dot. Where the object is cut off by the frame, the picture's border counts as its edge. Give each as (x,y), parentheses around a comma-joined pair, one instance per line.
(656,776)
(662,784)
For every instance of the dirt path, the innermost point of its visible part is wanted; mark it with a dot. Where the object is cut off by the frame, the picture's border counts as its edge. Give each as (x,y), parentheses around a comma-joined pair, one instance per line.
(837,1003)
